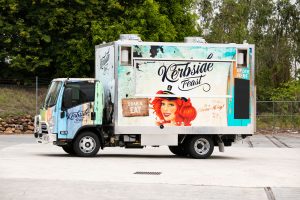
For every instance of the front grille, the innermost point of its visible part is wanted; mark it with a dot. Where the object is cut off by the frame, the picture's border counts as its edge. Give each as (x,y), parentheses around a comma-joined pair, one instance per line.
(44,128)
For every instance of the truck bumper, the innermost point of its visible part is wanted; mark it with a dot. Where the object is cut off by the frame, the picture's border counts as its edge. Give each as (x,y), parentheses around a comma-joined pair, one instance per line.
(45,138)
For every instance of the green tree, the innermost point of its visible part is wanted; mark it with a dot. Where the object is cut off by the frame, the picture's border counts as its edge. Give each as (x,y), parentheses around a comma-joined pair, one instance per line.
(276,46)
(205,13)
(273,26)
(287,91)
(182,15)
(53,38)
(230,22)
(48,38)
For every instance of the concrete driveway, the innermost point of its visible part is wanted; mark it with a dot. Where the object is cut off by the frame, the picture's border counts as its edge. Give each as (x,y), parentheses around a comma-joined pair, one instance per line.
(261,167)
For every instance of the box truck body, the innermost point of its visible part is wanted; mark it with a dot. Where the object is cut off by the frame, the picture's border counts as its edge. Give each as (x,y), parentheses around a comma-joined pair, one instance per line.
(190,96)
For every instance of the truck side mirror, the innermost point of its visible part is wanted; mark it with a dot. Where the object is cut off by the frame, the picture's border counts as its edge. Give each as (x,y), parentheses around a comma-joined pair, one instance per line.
(67,99)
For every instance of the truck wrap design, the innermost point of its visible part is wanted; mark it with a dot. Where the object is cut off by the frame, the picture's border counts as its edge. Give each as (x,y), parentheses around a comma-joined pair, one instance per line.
(190,96)
(203,75)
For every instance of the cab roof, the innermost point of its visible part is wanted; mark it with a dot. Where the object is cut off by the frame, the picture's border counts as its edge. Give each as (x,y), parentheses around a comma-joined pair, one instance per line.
(74,79)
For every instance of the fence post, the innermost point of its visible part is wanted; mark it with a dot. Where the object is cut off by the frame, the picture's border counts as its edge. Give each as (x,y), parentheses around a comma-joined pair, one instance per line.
(36,95)
(273,117)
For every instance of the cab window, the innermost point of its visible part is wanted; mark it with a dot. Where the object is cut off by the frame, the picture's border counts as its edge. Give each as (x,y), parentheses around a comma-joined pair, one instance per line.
(82,92)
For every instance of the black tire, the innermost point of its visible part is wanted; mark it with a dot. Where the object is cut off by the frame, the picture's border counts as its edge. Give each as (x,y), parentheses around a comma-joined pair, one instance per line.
(178,150)
(68,149)
(86,144)
(200,146)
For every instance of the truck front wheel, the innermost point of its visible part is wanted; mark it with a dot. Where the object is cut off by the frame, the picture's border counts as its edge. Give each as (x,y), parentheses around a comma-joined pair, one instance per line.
(200,146)
(87,144)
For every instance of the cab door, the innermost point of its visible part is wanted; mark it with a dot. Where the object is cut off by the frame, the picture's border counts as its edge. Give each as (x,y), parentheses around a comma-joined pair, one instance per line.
(78,106)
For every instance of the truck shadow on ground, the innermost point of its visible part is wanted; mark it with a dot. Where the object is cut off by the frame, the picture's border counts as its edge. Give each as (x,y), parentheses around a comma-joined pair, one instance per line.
(214,157)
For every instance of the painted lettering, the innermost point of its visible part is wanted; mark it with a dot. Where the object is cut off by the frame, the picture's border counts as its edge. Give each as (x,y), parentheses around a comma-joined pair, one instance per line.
(78,116)
(190,75)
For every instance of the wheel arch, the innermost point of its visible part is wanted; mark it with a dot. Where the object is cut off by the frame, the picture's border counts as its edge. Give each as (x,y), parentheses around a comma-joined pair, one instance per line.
(228,139)
(92,128)
(182,138)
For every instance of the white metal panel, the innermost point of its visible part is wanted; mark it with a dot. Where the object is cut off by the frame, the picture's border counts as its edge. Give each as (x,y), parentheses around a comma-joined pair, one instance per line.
(104,72)
(213,130)
(128,42)
(189,130)
(240,58)
(161,139)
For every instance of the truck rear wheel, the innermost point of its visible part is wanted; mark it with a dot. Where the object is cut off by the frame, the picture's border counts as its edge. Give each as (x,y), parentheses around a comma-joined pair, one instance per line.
(200,146)
(87,144)
(178,150)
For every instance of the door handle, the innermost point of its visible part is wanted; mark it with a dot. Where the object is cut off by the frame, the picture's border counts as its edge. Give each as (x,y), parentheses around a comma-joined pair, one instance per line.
(62,114)
(93,115)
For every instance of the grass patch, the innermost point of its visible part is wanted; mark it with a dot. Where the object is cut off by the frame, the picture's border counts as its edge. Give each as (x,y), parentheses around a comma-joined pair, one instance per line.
(19,101)
(278,121)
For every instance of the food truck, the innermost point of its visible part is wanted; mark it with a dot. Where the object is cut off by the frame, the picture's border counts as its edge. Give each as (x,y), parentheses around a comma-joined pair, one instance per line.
(189,96)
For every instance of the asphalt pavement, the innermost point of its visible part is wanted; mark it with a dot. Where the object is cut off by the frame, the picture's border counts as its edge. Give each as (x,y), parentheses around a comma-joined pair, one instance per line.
(262,167)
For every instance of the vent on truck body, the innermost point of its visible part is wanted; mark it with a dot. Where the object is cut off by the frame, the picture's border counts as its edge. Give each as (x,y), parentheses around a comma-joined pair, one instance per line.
(133,37)
(194,40)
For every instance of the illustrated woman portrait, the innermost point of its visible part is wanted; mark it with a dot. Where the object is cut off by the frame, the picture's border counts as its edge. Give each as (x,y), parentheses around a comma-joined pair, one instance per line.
(173,111)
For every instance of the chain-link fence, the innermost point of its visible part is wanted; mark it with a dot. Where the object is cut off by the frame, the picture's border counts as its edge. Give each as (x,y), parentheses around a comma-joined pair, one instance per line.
(29,83)
(22,97)
(278,116)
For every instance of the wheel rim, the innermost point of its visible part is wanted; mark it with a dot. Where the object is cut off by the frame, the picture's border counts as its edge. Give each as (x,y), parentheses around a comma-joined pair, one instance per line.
(202,146)
(87,144)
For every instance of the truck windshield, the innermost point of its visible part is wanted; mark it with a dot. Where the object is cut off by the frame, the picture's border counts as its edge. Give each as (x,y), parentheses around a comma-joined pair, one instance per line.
(52,94)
